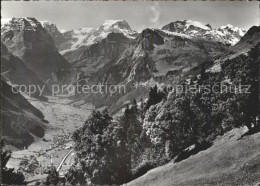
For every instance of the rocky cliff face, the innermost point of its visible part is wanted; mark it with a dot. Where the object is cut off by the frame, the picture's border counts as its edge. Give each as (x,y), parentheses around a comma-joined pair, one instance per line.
(14,71)
(29,41)
(53,31)
(89,59)
(250,39)
(155,56)
(93,49)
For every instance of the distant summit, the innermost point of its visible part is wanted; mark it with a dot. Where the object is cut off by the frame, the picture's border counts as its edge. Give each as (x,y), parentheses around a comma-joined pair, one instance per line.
(225,34)
(28,40)
(89,36)
(119,24)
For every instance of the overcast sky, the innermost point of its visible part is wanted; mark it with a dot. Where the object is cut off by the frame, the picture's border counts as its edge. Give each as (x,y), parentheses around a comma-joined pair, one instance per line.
(76,14)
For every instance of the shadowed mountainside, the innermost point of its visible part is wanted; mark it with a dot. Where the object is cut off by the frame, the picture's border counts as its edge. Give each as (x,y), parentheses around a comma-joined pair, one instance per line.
(20,120)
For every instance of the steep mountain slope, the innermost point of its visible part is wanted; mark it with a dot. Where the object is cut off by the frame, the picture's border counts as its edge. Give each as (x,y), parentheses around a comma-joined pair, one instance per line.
(226,34)
(228,162)
(73,39)
(67,40)
(177,125)
(230,34)
(250,39)
(89,59)
(15,71)
(164,56)
(28,40)
(53,31)
(20,121)
(158,56)
(89,36)
(247,42)
(95,48)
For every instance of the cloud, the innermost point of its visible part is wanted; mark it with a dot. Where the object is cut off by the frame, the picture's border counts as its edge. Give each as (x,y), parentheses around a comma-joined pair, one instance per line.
(155,9)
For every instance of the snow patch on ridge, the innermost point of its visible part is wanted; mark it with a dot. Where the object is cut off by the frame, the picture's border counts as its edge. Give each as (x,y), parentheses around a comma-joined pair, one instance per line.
(89,36)
(63,31)
(7,20)
(197,24)
(108,23)
(44,23)
(177,34)
(78,37)
(227,34)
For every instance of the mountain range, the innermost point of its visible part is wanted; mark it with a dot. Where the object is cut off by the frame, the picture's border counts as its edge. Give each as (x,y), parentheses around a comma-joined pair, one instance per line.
(149,125)
(115,54)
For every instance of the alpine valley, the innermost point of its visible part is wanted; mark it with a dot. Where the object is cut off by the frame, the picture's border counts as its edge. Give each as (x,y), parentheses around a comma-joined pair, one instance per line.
(117,138)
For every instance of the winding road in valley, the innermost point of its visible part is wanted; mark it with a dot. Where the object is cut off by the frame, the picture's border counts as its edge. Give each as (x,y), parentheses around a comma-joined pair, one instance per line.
(64,159)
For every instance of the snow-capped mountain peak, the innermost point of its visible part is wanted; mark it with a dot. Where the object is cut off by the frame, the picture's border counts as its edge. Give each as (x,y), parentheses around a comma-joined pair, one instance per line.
(186,26)
(24,23)
(89,36)
(227,26)
(45,23)
(117,24)
(50,27)
(76,38)
(231,33)
(63,31)
(52,30)
(4,21)
(196,24)
(26,38)
(227,34)
(230,28)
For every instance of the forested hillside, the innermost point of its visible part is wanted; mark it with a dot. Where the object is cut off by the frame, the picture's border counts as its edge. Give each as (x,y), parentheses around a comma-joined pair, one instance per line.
(168,125)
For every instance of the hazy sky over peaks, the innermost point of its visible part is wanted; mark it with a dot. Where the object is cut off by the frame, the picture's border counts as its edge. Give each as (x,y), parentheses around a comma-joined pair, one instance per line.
(139,14)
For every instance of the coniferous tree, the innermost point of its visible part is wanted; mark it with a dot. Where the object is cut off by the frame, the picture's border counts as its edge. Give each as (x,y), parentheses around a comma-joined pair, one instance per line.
(155,96)
(101,150)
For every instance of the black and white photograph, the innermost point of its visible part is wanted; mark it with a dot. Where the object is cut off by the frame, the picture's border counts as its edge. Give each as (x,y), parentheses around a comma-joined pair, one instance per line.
(133,93)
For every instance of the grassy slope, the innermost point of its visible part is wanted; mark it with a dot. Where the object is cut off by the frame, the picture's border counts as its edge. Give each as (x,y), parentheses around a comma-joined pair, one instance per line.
(228,162)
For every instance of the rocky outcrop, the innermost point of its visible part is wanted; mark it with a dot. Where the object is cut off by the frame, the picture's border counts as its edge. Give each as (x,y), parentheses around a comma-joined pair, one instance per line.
(53,31)
(29,41)
(14,71)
